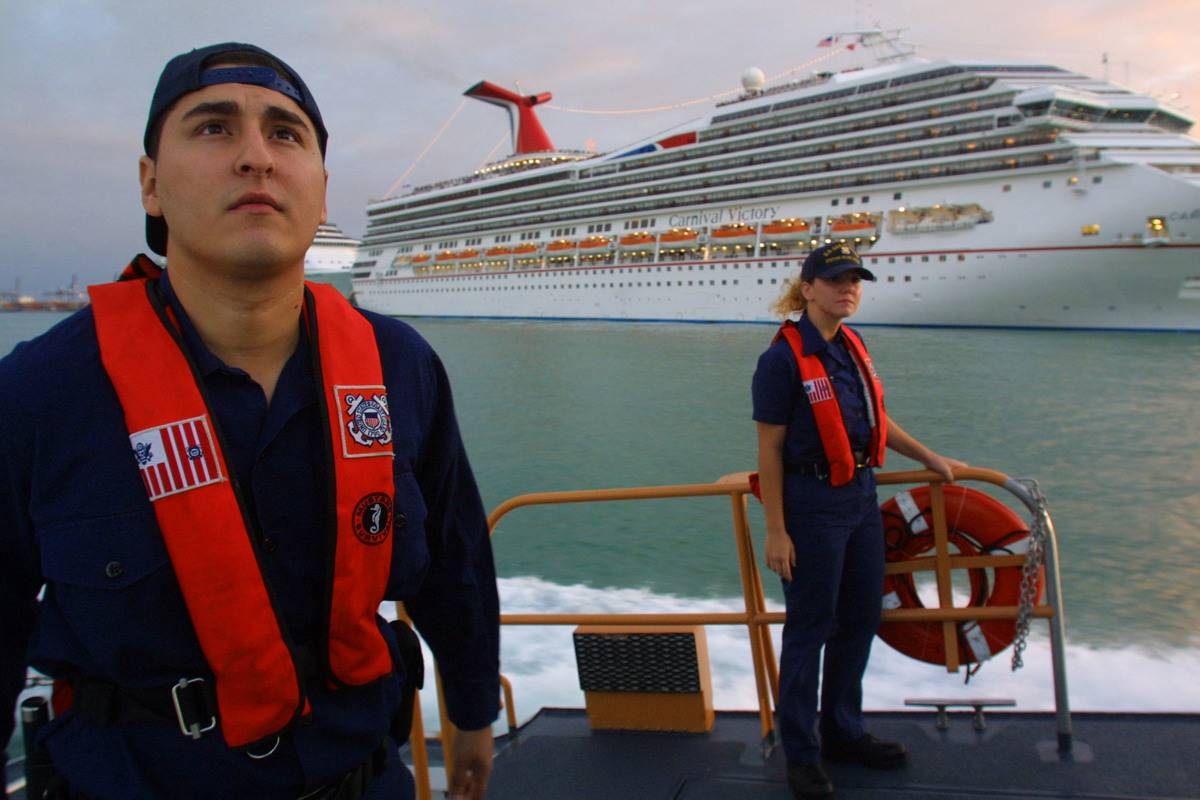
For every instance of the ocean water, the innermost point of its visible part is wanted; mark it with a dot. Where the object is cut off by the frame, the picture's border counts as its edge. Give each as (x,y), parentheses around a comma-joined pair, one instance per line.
(1108,424)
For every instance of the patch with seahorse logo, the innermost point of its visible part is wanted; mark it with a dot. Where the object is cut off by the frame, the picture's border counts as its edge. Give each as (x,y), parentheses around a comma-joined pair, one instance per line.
(373,518)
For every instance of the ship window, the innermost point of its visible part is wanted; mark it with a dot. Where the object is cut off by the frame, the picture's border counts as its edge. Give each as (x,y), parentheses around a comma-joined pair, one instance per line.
(1097,178)
(908,278)
(849,201)
(908,259)
(1006,187)
(833,202)
(925,259)
(891,259)
(760,281)
(897,195)
(941,258)
(1046,184)
(866,198)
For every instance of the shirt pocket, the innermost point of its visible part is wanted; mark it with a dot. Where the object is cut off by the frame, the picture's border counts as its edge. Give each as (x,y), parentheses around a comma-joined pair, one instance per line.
(410,551)
(111,581)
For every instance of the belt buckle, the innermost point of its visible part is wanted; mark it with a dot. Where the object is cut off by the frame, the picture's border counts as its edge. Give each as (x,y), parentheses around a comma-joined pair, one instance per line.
(193,730)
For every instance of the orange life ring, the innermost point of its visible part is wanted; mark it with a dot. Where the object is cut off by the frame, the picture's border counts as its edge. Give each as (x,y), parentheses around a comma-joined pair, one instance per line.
(977,524)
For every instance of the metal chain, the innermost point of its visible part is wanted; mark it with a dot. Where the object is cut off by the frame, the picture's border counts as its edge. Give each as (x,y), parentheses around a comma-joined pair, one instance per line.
(1035,556)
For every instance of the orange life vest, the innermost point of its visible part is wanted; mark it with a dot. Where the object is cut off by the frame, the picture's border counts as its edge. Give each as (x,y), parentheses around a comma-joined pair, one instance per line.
(828,411)
(202,517)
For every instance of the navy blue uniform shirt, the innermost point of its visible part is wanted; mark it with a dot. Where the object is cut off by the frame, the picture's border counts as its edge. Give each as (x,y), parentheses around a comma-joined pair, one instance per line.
(779,397)
(74,516)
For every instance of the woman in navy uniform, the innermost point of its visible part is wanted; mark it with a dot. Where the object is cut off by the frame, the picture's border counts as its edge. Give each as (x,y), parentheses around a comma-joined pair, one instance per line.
(822,426)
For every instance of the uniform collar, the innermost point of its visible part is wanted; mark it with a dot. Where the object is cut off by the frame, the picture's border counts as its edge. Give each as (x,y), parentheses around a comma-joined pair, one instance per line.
(206,361)
(814,342)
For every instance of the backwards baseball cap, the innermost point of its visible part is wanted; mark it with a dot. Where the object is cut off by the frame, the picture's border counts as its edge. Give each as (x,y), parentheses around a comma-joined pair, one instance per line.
(189,72)
(830,260)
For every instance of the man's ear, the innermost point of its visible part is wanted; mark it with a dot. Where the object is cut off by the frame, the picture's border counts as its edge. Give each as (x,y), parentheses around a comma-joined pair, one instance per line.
(147,178)
(325,202)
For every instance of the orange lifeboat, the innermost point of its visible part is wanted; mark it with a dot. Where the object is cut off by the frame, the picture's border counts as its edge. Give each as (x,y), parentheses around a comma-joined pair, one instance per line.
(499,251)
(637,241)
(850,227)
(679,236)
(781,230)
(733,234)
(446,255)
(592,242)
(420,258)
(522,249)
(465,255)
(561,244)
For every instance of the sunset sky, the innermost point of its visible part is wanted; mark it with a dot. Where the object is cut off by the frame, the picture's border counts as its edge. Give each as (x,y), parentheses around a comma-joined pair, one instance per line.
(77,78)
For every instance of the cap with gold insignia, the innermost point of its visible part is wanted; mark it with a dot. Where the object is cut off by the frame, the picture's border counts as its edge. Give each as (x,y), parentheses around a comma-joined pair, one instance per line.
(830,260)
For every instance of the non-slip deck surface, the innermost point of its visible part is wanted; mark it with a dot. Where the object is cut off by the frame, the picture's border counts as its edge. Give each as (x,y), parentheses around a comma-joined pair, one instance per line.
(555,755)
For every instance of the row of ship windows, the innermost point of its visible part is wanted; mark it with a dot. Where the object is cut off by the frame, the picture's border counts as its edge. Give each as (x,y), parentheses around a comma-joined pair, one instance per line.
(756,142)
(951,149)
(648,223)
(747,194)
(630,284)
(843,109)
(873,260)
(756,156)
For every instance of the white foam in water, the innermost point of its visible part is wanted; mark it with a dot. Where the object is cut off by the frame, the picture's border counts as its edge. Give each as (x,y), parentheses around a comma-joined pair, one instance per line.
(540,661)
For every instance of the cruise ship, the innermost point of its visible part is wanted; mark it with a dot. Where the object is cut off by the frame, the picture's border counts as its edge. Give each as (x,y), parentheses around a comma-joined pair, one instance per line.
(330,257)
(980,193)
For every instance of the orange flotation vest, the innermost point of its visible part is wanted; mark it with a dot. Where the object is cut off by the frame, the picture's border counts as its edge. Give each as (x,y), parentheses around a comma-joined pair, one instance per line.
(828,411)
(202,517)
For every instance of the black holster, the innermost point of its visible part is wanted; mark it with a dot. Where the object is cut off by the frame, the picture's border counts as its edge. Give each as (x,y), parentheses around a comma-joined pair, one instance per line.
(413,664)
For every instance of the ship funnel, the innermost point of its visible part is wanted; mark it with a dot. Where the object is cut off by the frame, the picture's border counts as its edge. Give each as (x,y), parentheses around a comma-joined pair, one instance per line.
(527,132)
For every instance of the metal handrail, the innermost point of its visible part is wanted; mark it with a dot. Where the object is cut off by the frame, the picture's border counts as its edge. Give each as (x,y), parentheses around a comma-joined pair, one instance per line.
(758,620)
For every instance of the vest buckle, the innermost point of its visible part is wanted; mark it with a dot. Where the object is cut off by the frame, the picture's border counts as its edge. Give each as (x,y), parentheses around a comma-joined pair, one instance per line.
(191,706)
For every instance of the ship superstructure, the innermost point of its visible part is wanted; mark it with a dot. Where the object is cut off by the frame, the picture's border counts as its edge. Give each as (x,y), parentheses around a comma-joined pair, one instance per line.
(331,251)
(980,193)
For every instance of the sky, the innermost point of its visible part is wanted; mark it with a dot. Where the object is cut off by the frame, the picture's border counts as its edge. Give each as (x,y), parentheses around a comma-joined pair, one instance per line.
(76,80)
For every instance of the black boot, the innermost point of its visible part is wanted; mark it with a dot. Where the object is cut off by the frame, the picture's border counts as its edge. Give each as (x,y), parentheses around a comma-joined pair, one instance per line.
(808,781)
(868,751)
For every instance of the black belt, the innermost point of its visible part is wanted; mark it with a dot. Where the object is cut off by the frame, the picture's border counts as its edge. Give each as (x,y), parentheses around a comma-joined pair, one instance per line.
(353,785)
(821,469)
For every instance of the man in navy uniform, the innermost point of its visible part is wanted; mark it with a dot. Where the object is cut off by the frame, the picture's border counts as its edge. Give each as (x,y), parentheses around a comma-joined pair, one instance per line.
(217,474)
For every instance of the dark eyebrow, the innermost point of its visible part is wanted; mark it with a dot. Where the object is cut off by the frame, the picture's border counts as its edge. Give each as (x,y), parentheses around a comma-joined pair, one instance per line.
(278,114)
(221,108)
(229,108)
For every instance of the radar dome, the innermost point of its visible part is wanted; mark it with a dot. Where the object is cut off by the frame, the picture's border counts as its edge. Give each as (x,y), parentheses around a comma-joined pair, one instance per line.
(753,79)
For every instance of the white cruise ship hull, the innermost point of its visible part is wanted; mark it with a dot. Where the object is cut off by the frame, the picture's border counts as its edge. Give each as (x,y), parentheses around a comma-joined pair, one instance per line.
(1031,266)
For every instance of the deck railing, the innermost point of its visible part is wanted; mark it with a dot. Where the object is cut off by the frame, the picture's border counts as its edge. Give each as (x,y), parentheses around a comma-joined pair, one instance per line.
(757,619)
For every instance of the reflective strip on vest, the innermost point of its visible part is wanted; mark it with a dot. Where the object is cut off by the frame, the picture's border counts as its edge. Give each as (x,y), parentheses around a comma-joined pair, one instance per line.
(177,449)
(827,411)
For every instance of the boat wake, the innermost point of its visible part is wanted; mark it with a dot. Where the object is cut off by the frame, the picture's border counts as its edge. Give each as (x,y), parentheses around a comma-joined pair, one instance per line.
(540,661)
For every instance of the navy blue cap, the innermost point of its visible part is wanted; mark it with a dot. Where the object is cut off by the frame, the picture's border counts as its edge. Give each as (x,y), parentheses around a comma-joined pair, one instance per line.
(186,73)
(830,260)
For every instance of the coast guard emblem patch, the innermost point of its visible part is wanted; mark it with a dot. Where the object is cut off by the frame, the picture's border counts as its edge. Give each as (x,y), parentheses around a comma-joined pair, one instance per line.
(366,420)
(818,390)
(176,457)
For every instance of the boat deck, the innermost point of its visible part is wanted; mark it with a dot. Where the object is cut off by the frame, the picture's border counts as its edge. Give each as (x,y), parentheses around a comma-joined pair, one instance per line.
(1115,755)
